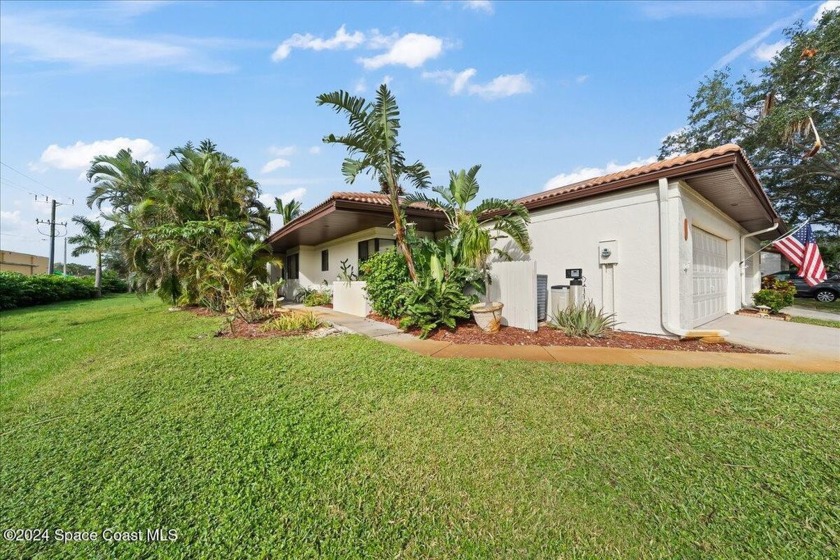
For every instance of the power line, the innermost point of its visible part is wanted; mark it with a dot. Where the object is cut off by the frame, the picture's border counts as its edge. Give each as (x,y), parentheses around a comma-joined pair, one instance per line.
(36,181)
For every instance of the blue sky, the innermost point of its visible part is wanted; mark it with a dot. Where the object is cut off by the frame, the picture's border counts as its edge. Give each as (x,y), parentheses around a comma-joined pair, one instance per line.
(539,93)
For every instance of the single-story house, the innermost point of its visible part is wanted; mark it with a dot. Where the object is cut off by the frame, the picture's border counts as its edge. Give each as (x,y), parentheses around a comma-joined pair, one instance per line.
(660,245)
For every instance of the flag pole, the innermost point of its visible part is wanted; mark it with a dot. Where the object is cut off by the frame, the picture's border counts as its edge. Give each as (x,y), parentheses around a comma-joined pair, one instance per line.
(788,234)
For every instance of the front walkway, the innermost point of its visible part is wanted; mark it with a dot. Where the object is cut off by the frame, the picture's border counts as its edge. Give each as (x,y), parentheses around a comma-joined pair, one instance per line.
(581,355)
(805,341)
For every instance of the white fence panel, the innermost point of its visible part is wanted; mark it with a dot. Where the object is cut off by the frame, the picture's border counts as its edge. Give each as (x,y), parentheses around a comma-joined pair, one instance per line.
(514,283)
(351,298)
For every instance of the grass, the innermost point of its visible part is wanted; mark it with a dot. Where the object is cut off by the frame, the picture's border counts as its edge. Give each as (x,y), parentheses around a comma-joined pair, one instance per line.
(811,303)
(818,322)
(117,413)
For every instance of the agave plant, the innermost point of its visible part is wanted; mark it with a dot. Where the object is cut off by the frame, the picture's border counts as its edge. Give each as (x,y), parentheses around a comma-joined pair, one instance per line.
(583,320)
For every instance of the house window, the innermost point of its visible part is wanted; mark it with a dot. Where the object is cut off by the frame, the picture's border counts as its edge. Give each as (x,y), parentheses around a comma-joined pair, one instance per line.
(325,260)
(292,266)
(383,245)
(364,251)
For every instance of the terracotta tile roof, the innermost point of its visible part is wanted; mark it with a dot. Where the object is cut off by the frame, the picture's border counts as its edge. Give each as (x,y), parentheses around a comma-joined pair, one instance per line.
(641,171)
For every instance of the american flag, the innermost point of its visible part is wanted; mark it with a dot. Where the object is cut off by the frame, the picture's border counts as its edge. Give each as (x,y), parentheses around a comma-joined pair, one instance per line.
(801,249)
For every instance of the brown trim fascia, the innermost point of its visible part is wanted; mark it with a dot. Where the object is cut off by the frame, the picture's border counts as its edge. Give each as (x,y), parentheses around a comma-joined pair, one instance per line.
(299,222)
(746,171)
(726,160)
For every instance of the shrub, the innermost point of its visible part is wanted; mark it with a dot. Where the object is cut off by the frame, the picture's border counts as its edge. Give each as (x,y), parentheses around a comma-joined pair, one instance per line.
(113,284)
(293,321)
(775,294)
(583,320)
(318,297)
(17,290)
(384,274)
(313,295)
(430,304)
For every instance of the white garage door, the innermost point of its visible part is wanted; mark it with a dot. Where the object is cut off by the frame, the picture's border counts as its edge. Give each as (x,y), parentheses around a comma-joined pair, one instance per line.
(709,278)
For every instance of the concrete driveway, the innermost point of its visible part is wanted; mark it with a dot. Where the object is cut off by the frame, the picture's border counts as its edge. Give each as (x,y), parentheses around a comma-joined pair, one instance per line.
(808,341)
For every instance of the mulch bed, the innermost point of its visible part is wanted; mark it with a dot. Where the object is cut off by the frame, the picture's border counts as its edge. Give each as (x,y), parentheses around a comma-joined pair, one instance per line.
(241,329)
(469,333)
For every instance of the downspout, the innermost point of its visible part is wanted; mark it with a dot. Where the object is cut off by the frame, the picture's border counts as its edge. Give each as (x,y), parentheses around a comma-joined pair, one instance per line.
(665,274)
(743,265)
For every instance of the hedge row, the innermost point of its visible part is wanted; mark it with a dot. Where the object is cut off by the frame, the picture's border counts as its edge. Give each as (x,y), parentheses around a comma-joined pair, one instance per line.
(17,290)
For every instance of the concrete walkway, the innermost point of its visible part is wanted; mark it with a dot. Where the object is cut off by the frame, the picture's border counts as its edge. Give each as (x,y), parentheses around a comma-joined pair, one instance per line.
(583,355)
(805,341)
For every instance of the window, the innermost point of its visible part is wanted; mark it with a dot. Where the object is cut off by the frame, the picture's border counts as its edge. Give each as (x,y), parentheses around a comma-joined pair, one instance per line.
(383,245)
(364,251)
(325,260)
(292,265)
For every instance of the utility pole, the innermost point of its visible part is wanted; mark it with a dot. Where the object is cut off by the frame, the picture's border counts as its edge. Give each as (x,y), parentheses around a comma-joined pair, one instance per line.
(52,224)
(52,238)
(65,256)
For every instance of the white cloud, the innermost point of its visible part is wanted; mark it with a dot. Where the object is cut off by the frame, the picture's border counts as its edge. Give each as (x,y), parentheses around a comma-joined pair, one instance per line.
(275,164)
(341,40)
(282,151)
(766,52)
(505,85)
(582,79)
(386,79)
(823,8)
(754,41)
(296,194)
(360,86)
(10,217)
(27,38)
(485,6)
(315,150)
(411,50)
(79,155)
(583,173)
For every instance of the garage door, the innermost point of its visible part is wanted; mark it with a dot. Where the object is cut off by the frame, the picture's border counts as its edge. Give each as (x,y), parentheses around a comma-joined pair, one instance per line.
(709,276)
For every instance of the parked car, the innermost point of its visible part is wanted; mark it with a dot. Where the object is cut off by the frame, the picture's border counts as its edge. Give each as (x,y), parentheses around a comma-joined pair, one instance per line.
(825,292)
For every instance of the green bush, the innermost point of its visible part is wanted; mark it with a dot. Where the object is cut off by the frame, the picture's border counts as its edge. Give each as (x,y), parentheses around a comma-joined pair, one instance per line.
(318,297)
(293,321)
(17,290)
(313,295)
(775,294)
(113,284)
(583,320)
(430,304)
(384,274)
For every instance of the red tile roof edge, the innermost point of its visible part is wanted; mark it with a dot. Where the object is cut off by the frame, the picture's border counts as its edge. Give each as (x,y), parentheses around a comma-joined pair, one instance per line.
(640,171)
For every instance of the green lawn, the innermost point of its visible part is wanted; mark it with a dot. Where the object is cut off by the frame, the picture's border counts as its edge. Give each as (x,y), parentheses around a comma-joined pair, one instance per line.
(818,322)
(811,303)
(119,414)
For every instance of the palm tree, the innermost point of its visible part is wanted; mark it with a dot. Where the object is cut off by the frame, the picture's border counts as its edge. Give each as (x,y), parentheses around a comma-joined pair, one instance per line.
(374,149)
(93,239)
(120,180)
(288,211)
(475,230)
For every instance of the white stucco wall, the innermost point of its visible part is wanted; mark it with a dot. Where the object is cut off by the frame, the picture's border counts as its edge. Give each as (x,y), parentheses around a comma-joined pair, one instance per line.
(568,236)
(339,249)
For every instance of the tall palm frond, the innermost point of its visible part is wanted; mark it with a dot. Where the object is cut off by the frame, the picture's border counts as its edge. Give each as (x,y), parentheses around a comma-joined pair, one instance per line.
(373,149)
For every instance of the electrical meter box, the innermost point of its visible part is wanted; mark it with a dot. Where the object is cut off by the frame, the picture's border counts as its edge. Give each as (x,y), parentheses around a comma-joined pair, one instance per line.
(608,252)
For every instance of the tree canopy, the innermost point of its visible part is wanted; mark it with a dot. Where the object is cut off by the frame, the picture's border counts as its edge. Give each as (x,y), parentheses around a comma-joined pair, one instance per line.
(786,117)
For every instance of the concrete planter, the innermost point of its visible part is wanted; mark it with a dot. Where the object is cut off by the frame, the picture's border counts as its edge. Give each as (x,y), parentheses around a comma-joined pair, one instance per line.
(488,318)
(351,298)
